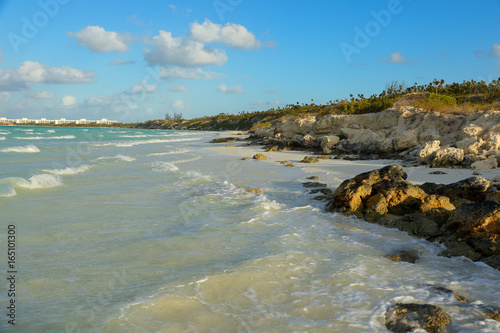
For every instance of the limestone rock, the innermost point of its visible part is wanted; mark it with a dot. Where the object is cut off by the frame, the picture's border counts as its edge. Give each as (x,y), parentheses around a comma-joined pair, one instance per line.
(475,219)
(491,312)
(222,140)
(445,157)
(415,224)
(465,189)
(428,149)
(259,157)
(490,163)
(409,317)
(328,141)
(310,159)
(289,165)
(436,201)
(493,261)
(459,249)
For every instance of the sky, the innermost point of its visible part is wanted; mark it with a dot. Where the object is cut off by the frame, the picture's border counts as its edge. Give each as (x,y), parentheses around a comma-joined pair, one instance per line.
(133,61)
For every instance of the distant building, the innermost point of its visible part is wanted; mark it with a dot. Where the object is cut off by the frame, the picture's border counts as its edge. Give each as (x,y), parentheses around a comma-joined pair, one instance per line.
(61,121)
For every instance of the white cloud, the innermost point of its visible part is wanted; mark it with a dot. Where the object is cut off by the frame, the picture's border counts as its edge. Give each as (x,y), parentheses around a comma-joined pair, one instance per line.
(10,81)
(234,35)
(143,88)
(396,58)
(178,88)
(271,90)
(230,90)
(177,104)
(495,50)
(44,94)
(170,50)
(118,62)
(99,40)
(1,57)
(68,100)
(187,73)
(32,71)
(4,97)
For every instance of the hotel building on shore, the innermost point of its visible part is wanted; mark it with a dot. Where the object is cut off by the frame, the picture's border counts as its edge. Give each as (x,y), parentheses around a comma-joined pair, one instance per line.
(61,121)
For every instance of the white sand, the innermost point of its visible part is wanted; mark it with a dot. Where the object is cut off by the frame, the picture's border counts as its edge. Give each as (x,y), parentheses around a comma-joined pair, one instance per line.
(334,171)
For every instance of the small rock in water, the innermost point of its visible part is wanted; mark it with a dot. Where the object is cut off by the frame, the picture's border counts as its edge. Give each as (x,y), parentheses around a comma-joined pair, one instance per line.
(313,178)
(475,173)
(289,165)
(245,159)
(283,162)
(443,290)
(408,256)
(314,184)
(409,317)
(492,312)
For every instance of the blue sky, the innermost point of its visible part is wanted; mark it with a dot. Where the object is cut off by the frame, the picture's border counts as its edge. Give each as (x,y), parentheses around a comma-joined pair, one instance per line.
(133,61)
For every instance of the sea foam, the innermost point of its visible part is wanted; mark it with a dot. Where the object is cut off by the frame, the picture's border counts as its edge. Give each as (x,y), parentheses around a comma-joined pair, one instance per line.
(164,166)
(21,149)
(39,181)
(69,170)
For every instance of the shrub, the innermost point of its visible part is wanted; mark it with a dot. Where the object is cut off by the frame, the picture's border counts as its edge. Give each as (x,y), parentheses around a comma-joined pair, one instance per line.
(437,102)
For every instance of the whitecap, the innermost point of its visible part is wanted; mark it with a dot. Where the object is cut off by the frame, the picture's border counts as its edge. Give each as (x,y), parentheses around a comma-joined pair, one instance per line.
(174,152)
(4,133)
(39,181)
(8,192)
(51,131)
(63,137)
(124,158)
(164,166)
(69,170)
(2,137)
(21,149)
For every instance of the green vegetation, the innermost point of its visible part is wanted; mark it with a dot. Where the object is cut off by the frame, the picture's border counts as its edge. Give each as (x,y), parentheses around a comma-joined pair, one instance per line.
(469,96)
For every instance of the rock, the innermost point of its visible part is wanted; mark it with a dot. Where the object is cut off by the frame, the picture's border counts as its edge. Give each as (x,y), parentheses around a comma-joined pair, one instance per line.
(310,159)
(491,312)
(488,245)
(283,162)
(474,220)
(222,140)
(324,191)
(427,150)
(328,141)
(493,261)
(250,189)
(314,184)
(488,164)
(459,249)
(437,173)
(290,165)
(259,157)
(409,317)
(415,224)
(313,178)
(445,157)
(408,256)
(436,201)
(493,196)
(443,290)
(401,196)
(245,159)
(466,189)
(272,148)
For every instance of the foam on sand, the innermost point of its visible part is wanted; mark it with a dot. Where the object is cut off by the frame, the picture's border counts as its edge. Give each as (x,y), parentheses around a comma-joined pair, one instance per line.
(21,149)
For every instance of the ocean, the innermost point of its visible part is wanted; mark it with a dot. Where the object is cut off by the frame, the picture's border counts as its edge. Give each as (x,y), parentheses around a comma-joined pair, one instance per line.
(128,230)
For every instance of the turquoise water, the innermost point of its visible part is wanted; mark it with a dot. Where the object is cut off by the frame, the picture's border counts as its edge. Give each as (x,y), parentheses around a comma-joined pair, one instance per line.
(124,230)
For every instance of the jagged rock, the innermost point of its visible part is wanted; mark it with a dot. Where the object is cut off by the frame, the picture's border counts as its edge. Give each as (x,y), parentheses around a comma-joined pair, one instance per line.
(474,220)
(437,173)
(431,202)
(443,290)
(283,162)
(314,184)
(408,256)
(488,245)
(245,159)
(259,157)
(465,189)
(313,178)
(310,159)
(250,189)
(427,150)
(328,141)
(488,164)
(324,191)
(272,148)
(445,157)
(289,165)
(415,224)
(409,317)
(493,196)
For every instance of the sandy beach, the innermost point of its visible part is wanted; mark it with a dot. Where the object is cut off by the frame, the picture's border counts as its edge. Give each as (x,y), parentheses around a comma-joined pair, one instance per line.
(335,171)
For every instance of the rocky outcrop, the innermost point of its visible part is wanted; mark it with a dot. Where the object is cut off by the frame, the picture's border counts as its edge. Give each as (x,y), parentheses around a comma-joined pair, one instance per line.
(436,139)
(409,317)
(457,215)
(259,157)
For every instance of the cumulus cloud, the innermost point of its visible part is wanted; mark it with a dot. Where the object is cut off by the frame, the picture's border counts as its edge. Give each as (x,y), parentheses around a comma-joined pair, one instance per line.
(177,104)
(234,35)
(10,81)
(68,101)
(175,51)
(396,58)
(143,88)
(118,62)
(99,40)
(32,71)
(178,88)
(230,90)
(186,73)
(4,97)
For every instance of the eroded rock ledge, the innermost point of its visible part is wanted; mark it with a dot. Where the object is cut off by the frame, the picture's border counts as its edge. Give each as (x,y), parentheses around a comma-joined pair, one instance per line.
(464,216)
